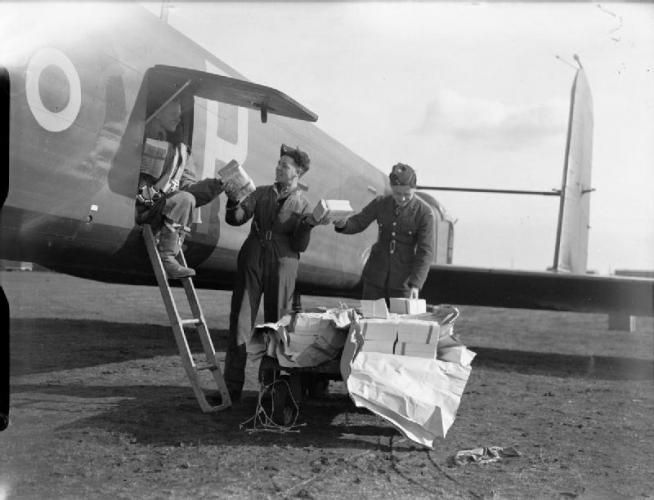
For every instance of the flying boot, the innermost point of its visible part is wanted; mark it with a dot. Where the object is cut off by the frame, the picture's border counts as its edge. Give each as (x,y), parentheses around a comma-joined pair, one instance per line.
(170,241)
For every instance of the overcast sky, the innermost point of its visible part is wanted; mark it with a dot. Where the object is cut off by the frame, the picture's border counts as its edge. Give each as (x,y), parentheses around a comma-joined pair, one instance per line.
(470,95)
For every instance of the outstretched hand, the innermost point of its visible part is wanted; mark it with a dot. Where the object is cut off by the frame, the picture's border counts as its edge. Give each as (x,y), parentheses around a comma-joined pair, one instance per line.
(314,222)
(228,187)
(147,195)
(340,224)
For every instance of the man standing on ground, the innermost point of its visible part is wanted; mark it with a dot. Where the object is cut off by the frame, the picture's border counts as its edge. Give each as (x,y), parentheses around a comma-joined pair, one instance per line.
(268,260)
(399,261)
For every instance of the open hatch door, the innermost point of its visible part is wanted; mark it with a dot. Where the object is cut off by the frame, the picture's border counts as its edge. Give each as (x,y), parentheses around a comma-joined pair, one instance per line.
(234,91)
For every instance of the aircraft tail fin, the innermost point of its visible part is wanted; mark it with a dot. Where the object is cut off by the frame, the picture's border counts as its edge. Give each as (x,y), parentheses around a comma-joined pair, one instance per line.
(571,250)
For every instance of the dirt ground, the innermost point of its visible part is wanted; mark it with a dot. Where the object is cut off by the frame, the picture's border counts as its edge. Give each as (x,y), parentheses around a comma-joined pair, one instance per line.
(101,408)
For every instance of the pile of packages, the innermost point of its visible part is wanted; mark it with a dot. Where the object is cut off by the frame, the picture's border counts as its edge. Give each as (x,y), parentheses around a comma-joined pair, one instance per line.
(407,368)
(303,339)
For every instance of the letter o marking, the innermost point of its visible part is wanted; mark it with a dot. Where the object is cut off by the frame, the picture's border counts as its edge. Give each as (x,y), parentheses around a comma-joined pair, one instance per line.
(54,121)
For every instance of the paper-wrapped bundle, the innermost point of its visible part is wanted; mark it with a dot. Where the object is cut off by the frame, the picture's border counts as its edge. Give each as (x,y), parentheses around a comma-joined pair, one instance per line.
(154,157)
(332,210)
(374,309)
(238,182)
(303,339)
(408,306)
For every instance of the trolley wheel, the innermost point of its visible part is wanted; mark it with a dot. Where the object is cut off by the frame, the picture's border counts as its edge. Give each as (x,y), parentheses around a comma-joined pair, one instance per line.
(282,410)
(317,385)
(296,382)
(268,371)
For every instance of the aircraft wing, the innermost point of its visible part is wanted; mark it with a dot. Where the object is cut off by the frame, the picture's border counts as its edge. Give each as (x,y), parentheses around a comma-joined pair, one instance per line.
(539,290)
(237,92)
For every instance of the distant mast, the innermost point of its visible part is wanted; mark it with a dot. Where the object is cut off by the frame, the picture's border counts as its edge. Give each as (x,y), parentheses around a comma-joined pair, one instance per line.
(571,248)
(163,15)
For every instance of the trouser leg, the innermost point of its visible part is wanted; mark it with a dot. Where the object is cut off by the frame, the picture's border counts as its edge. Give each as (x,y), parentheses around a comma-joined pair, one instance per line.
(170,241)
(404,292)
(205,191)
(279,284)
(177,214)
(179,207)
(245,305)
(373,292)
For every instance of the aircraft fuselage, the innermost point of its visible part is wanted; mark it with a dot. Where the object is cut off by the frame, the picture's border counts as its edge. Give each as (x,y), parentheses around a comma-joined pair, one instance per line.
(78,104)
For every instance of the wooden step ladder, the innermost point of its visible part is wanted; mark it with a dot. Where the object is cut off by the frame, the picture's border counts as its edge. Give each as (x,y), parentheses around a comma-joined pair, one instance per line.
(192,368)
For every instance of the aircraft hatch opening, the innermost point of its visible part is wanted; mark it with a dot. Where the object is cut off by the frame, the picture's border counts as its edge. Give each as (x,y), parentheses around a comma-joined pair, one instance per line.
(210,117)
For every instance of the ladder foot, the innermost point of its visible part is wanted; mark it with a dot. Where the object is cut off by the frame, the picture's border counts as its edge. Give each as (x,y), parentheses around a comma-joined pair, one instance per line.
(214,399)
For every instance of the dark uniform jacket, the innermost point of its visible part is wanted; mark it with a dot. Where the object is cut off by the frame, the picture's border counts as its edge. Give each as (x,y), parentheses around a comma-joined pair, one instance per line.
(405,243)
(279,223)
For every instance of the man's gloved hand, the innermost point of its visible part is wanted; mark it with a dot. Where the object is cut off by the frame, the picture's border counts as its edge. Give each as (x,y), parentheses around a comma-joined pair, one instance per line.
(231,189)
(147,195)
(340,224)
(414,292)
(312,220)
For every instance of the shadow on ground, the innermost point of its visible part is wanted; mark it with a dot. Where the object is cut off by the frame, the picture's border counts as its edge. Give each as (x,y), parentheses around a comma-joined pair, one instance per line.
(169,416)
(44,344)
(41,345)
(564,365)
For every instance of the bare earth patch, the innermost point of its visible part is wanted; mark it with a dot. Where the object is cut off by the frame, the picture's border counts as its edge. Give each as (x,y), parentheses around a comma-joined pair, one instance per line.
(101,408)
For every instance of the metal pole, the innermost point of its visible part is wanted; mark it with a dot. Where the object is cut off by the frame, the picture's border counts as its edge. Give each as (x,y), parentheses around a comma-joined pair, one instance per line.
(553,192)
(163,15)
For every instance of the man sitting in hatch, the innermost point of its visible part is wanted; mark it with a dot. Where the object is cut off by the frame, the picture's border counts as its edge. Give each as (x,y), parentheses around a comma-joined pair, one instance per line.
(168,187)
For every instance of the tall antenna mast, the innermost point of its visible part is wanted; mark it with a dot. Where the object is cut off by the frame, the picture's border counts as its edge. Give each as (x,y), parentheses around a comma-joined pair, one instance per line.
(163,15)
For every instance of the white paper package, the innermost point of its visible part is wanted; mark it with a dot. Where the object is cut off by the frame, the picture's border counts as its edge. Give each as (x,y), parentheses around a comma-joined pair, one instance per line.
(238,179)
(332,210)
(408,306)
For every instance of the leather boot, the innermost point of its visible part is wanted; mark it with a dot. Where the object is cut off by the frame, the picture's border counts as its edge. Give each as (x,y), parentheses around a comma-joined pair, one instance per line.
(169,245)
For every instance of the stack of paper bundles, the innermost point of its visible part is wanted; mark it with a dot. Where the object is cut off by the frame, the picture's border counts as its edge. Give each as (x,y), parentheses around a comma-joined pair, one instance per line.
(299,342)
(154,157)
(379,335)
(332,210)
(309,323)
(419,396)
(417,338)
(326,340)
(240,182)
(374,309)
(318,324)
(408,306)
(305,330)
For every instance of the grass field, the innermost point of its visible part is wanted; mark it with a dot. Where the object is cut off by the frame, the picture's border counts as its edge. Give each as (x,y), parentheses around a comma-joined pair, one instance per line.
(101,408)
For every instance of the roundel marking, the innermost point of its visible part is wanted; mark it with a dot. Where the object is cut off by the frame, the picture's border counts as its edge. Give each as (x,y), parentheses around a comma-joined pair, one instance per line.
(53,77)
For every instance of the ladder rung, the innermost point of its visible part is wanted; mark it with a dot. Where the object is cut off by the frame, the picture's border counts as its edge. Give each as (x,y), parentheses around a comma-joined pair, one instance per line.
(190,366)
(205,366)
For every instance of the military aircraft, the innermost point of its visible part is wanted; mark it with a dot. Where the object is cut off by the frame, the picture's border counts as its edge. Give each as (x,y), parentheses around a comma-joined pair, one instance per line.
(75,100)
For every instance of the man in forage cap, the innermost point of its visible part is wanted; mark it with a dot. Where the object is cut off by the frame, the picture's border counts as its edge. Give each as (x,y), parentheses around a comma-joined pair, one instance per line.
(399,261)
